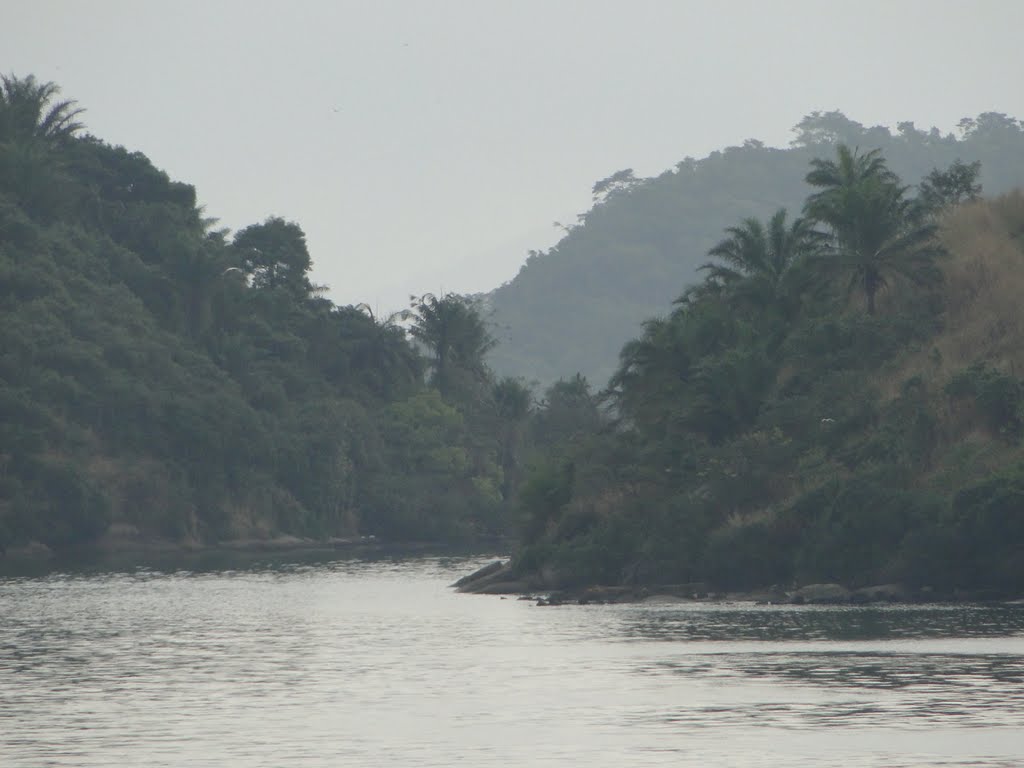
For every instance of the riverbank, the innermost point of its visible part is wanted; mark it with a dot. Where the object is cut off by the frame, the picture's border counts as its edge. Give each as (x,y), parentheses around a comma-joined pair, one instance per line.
(500,578)
(123,547)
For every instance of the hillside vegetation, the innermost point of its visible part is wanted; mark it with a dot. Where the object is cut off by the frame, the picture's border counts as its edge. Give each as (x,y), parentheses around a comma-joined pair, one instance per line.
(836,396)
(839,400)
(164,379)
(570,309)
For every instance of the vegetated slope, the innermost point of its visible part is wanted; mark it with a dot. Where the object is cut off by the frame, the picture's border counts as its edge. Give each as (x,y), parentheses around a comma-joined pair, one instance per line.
(165,379)
(757,446)
(570,309)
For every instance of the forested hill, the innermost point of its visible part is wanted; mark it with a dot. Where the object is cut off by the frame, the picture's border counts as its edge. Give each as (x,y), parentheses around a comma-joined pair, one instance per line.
(161,379)
(571,309)
(839,400)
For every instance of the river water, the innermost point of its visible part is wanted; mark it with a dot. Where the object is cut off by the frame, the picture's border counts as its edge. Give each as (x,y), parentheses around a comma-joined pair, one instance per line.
(379,663)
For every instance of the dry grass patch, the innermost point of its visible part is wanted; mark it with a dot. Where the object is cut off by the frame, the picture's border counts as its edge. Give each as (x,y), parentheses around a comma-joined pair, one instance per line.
(983,295)
(984,285)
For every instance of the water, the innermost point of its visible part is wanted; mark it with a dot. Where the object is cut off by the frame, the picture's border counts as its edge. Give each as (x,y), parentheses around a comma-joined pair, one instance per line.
(379,664)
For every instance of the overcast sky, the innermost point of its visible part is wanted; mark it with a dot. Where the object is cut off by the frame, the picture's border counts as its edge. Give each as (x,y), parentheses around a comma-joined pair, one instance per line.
(427,146)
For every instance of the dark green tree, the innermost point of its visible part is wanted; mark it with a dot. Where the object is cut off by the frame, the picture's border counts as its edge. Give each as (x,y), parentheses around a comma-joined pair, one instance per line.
(33,126)
(758,265)
(455,334)
(876,232)
(274,255)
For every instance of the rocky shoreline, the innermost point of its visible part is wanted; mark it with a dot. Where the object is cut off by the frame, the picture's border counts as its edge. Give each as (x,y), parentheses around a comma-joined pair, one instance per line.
(500,578)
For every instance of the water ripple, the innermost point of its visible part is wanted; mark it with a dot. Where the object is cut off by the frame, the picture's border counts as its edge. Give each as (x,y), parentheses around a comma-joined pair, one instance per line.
(378,664)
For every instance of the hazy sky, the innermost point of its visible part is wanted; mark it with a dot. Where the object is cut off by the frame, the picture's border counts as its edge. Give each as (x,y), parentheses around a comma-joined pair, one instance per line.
(427,146)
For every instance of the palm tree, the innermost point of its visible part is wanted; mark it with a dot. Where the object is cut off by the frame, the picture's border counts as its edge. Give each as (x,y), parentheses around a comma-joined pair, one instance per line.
(456,336)
(27,111)
(844,175)
(759,264)
(877,232)
(31,127)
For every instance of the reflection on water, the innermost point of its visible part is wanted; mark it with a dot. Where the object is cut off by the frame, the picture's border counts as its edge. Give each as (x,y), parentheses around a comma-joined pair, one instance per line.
(870,689)
(380,664)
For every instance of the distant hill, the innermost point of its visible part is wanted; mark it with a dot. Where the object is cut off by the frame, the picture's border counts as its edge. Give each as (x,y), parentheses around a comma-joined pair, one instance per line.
(570,309)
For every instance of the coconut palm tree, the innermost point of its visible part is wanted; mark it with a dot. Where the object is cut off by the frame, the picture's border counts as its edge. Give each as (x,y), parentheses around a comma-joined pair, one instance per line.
(877,232)
(758,264)
(28,111)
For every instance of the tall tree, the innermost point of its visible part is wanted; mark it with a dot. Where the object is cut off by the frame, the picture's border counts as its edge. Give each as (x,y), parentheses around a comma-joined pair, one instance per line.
(32,126)
(274,254)
(758,264)
(455,334)
(876,232)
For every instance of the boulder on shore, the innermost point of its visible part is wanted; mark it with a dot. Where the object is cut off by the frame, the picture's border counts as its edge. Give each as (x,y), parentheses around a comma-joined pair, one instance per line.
(490,574)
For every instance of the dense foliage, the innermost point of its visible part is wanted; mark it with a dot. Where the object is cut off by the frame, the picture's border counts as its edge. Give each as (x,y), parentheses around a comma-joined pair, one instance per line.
(838,400)
(570,309)
(161,376)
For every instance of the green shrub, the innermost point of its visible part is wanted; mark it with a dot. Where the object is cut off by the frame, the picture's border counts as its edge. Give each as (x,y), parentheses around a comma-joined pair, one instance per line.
(998,396)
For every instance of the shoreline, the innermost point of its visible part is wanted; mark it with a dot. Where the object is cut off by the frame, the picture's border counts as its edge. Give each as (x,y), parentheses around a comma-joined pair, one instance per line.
(500,578)
(131,551)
